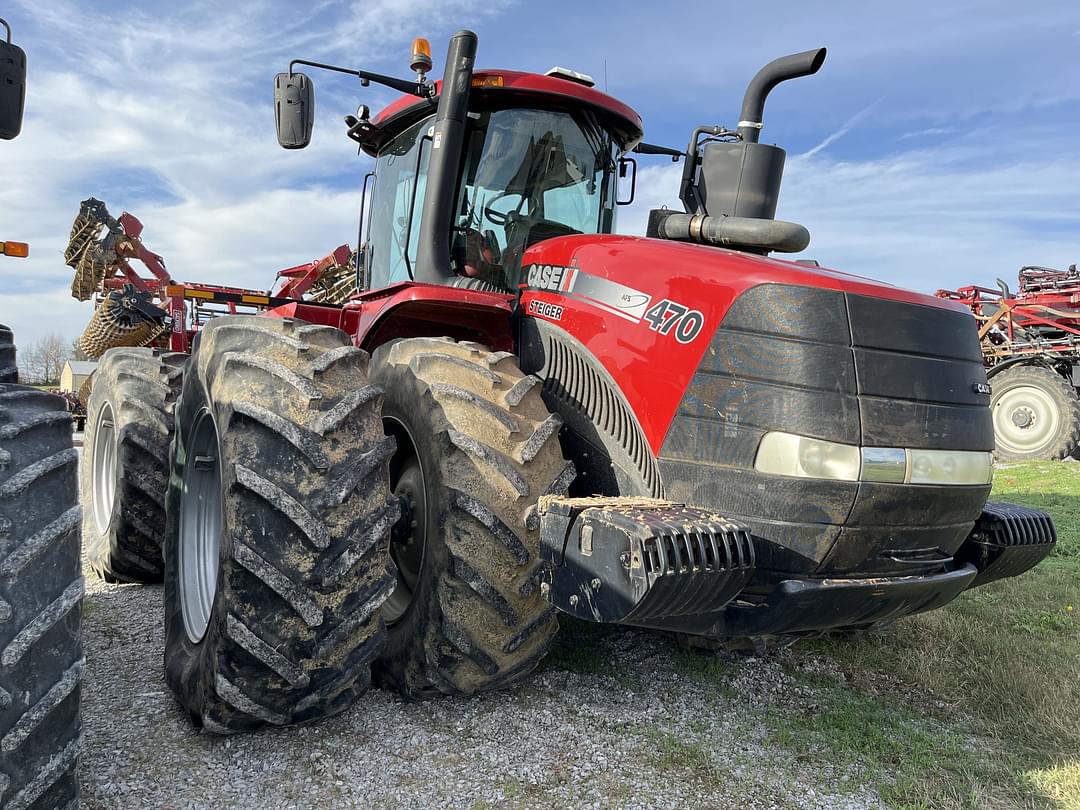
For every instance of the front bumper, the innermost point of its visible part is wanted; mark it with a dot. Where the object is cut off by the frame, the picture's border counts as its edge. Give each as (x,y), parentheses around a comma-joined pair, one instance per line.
(651,563)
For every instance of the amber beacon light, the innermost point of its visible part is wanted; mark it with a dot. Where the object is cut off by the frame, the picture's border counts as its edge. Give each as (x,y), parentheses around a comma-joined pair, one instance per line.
(18,249)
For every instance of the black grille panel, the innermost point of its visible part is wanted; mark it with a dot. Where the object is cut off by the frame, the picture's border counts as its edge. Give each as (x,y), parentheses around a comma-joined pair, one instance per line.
(843,368)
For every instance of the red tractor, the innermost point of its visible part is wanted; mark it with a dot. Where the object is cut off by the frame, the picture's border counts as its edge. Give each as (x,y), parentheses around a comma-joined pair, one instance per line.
(520,413)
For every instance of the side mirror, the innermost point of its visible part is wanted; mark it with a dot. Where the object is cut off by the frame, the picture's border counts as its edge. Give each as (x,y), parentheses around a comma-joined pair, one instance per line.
(294,109)
(12,86)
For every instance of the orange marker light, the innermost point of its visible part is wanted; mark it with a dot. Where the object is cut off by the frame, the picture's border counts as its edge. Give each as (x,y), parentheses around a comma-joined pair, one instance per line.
(421,55)
(18,249)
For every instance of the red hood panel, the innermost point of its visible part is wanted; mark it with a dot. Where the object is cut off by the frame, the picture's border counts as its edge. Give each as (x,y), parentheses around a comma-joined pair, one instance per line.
(647,308)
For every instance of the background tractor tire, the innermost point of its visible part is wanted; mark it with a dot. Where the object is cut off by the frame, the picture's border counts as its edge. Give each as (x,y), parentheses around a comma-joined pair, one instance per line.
(477,448)
(9,371)
(1036,414)
(125,469)
(41,659)
(279,518)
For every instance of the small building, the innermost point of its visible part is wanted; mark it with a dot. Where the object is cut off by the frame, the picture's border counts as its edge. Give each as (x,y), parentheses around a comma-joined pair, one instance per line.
(75,373)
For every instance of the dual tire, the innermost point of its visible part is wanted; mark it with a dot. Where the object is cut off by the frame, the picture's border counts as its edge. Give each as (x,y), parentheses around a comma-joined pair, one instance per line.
(300,473)
(124,478)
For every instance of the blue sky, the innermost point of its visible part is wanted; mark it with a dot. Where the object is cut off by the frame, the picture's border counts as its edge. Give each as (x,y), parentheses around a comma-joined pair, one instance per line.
(937,146)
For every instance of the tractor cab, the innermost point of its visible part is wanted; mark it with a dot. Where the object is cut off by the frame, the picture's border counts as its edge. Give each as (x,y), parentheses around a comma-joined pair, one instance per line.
(528,174)
(539,158)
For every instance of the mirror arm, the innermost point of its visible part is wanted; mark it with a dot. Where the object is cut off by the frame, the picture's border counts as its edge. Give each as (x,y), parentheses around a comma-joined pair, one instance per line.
(403,85)
(654,149)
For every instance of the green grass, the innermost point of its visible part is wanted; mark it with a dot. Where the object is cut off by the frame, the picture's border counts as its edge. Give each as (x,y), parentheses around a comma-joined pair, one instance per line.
(998,668)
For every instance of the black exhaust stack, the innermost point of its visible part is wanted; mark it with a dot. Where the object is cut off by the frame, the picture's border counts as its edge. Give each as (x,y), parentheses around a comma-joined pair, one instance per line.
(444,165)
(779,70)
(730,188)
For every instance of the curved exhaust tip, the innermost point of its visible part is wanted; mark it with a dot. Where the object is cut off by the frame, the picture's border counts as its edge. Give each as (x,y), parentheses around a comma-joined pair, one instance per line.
(779,70)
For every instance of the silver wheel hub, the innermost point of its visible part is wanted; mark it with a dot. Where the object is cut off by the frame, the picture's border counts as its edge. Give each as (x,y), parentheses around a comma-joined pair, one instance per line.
(103,468)
(200,527)
(1026,418)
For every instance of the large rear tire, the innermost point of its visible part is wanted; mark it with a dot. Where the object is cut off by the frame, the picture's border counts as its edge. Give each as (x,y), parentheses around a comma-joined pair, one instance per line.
(125,470)
(41,659)
(9,370)
(1036,414)
(279,516)
(477,448)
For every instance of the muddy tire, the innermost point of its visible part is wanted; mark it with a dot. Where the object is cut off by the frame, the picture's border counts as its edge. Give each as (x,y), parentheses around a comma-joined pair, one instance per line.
(477,448)
(279,515)
(125,470)
(1036,414)
(41,659)
(9,371)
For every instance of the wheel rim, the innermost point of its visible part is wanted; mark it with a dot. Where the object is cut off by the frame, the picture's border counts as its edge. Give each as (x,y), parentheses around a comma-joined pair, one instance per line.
(408,541)
(1026,419)
(200,528)
(103,468)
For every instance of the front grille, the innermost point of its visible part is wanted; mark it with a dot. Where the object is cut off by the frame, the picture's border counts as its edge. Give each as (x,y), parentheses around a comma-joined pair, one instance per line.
(844,368)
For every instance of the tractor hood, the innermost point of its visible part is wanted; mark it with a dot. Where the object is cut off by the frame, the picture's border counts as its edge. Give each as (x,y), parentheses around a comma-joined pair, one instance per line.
(713,351)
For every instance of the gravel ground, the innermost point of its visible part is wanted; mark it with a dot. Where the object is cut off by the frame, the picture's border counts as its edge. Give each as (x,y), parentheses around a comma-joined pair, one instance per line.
(610,721)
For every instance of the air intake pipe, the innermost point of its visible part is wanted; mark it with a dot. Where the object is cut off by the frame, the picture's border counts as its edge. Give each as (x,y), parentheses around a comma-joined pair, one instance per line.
(741,233)
(444,163)
(779,70)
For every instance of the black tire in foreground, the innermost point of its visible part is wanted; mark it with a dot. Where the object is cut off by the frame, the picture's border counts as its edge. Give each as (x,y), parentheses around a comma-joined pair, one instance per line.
(9,371)
(1036,414)
(279,516)
(477,448)
(41,659)
(125,469)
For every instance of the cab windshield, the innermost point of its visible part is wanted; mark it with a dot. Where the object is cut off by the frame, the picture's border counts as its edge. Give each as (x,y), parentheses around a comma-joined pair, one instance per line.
(529,175)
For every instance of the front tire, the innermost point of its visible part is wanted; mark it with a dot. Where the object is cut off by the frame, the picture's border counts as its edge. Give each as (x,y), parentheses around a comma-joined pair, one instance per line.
(125,470)
(279,515)
(1036,414)
(477,448)
(41,589)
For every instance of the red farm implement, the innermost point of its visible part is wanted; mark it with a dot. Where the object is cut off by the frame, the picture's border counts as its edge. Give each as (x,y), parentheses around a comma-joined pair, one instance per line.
(1030,342)
(151,308)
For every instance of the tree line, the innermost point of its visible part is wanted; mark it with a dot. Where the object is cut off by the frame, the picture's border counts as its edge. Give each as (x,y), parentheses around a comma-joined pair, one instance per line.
(41,362)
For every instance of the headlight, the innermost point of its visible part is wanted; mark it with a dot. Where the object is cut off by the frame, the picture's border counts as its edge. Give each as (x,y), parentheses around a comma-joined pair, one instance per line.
(787,454)
(804,457)
(949,467)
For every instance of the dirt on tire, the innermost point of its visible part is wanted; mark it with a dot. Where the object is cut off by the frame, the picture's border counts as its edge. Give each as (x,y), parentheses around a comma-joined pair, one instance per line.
(131,403)
(1066,438)
(488,448)
(41,590)
(302,559)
